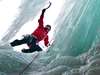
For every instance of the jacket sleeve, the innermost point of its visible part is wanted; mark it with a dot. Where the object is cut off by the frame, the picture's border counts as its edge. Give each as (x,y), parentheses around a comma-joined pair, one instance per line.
(46,41)
(40,21)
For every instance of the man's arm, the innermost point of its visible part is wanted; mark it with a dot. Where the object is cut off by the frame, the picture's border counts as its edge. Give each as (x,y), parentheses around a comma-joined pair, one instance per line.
(42,16)
(46,41)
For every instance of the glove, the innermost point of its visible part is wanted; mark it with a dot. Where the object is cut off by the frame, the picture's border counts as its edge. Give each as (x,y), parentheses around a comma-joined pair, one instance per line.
(43,10)
(48,45)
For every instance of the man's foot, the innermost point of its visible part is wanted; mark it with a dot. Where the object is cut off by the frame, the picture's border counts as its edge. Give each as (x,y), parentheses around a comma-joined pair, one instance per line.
(14,43)
(26,51)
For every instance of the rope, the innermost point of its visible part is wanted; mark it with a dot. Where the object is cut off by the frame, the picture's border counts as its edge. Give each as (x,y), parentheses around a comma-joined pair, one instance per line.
(28,64)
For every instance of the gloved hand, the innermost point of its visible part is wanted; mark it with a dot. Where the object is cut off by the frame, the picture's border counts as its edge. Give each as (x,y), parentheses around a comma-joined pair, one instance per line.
(48,45)
(43,10)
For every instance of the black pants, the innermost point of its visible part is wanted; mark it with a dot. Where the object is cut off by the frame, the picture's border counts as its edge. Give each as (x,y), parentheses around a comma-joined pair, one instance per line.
(30,41)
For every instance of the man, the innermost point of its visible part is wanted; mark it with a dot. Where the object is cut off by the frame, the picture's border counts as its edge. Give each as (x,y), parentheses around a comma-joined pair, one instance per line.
(39,34)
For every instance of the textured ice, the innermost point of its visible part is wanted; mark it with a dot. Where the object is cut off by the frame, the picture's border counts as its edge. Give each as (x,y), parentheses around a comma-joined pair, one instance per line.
(76,50)
(13,63)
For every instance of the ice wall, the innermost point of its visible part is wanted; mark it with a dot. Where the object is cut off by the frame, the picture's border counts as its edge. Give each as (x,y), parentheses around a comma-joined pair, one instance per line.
(76,49)
(79,28)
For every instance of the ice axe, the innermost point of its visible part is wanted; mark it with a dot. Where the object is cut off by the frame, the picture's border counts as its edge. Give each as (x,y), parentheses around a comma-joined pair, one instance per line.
(49,5)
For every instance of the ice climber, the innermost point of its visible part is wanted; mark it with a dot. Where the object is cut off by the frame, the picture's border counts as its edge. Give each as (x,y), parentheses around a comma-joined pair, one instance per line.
(33,39)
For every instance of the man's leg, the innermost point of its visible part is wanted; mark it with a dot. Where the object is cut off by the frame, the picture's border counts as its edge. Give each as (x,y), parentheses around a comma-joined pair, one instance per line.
(19,42)
(32,49)
(32,45)
(37,48)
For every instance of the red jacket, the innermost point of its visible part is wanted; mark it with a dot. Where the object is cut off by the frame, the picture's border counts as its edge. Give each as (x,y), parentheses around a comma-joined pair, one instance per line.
(41,33)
